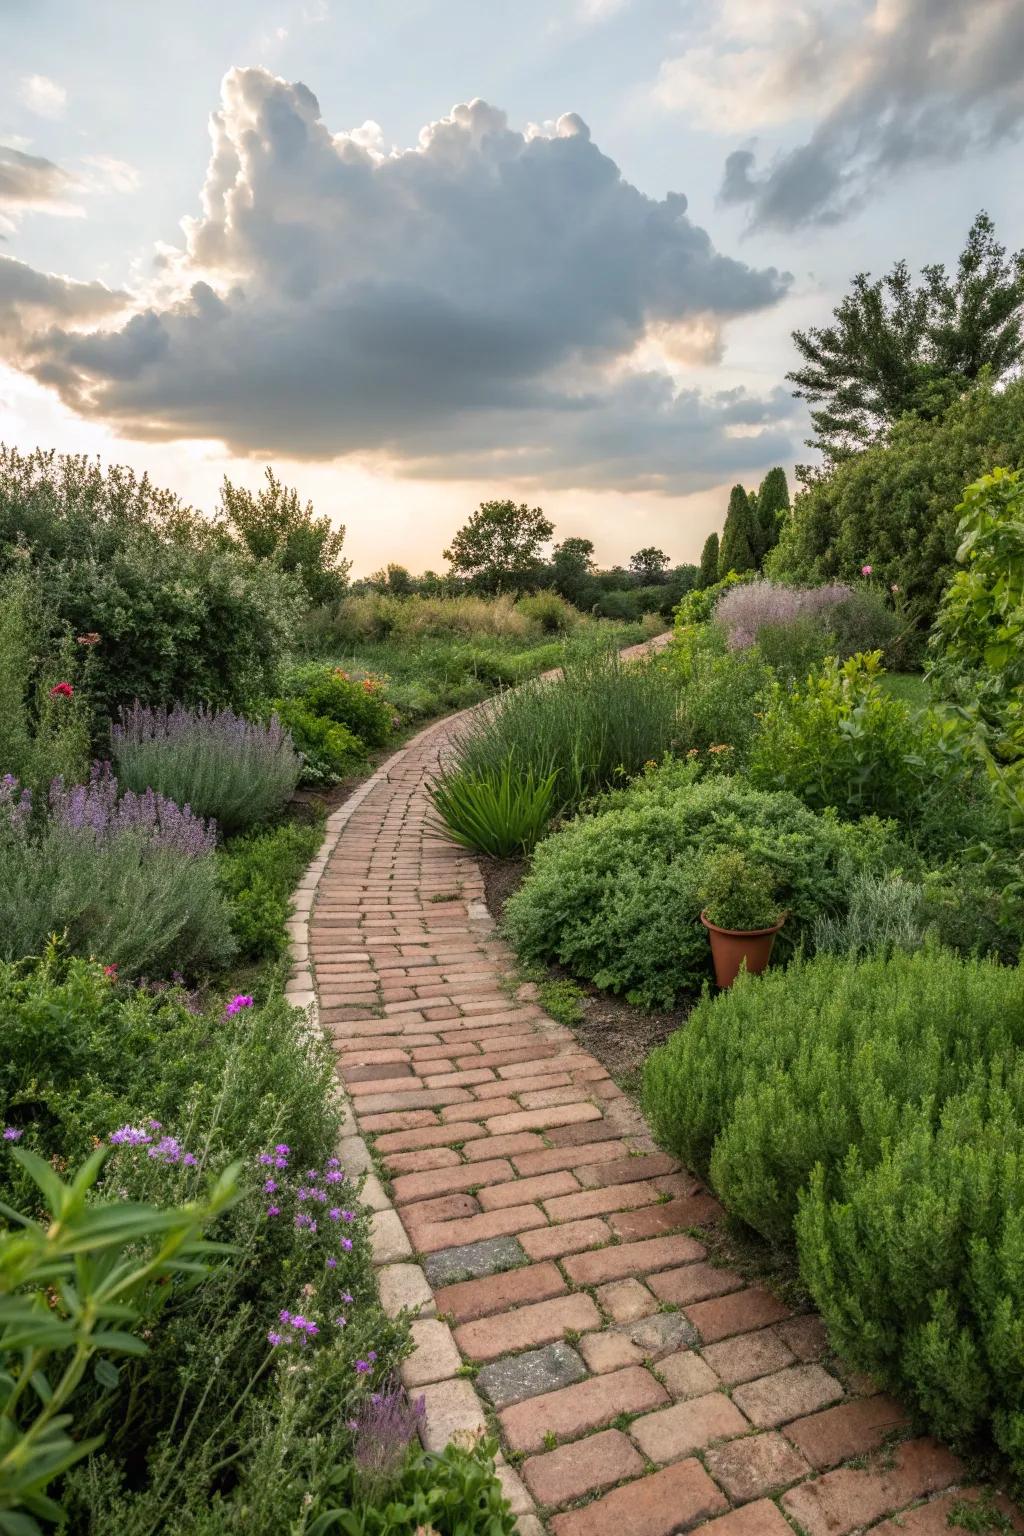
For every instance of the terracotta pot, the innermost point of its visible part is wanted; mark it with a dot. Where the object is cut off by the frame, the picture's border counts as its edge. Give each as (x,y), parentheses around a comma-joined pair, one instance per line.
(732,947)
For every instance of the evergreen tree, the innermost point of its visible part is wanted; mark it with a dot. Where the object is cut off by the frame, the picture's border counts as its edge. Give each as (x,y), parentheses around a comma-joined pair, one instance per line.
(894,347)
(739,538)
(772,508)
(709,561)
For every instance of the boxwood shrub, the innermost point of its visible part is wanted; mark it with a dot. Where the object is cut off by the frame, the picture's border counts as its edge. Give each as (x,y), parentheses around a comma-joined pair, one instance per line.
(615,896)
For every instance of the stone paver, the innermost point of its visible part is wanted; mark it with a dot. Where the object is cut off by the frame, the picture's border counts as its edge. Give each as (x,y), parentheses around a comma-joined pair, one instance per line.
(526,1186)
(531,1374)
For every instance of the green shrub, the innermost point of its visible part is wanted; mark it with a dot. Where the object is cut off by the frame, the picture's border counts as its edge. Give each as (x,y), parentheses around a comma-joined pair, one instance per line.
(329,752)
(615,896)
(722,692)
(885,912)
(454,1492)
(794,649)
(221,765)
(360,704)
(594,726)
(501,814)
(737,893)
(865,621)
(73,1287)
(45,714)
(978,641)
(841,740)
(551,613)
(131,879)
(258,874)
(975,904)
(217,1424)
(893,506)
(916,1262)
(790,1070)
(179,613)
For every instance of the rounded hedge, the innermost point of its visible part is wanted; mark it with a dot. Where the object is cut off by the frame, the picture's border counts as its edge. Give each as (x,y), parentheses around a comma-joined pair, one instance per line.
(615,895)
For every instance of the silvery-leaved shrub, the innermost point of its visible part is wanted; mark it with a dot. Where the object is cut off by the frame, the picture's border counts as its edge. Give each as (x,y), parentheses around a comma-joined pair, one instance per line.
(218,763)
(129,878)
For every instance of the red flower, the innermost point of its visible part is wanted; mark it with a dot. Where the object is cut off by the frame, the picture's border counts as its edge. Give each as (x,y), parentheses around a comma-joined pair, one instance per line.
(92,638)
(61,691)
(111,971)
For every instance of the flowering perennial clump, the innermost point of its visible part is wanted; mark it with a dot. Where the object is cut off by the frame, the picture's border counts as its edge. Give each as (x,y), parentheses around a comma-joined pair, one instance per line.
(102,809)
(745,609)
(165,1149)
(219,763)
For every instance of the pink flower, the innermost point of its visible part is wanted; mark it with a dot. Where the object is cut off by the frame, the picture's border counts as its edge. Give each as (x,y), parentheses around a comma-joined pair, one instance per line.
(61,691)
(110,971)
(242,1000)
(866,570)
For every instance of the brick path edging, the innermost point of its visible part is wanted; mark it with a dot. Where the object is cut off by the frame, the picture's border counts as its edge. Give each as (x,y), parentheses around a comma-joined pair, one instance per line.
(667,1393)
(401,1285)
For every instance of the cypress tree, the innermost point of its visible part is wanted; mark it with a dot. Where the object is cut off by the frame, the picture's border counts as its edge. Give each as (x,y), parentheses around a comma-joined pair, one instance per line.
(736,551)
(772,507)
(709,561)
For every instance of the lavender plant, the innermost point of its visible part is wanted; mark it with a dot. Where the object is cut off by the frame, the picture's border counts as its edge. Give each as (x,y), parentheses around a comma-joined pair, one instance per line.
(216,762)
(129,878)
(746,609)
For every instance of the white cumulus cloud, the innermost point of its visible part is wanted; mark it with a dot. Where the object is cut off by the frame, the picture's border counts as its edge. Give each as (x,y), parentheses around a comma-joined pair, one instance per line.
(479,299)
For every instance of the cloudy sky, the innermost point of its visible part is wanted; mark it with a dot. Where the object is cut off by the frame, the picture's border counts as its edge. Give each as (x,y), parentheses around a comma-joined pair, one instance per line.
(429,252)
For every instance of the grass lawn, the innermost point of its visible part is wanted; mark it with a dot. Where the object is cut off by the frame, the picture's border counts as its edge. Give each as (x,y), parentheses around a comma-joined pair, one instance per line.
(908,686)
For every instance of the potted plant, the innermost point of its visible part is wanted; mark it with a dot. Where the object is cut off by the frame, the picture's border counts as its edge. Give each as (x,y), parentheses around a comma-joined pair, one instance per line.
(741,914)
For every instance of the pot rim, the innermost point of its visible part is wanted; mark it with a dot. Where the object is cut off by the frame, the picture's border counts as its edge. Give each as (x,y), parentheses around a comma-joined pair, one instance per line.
(743,933)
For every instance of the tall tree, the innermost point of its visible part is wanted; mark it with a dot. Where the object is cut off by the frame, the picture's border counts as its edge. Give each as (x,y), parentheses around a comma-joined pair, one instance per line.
(572,566)
(895,347)
(499,548)
(275,526)
(772,508)
(709,561)
(736,551)
(649,565)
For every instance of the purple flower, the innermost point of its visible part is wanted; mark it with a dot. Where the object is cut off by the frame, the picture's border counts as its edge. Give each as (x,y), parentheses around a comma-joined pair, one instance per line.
(284,1315)
(334,1177)
(265,1158)
(273,1210)
(270,1186)
(274,1338)
(348,1215)
(241,1000)
(281,1147)
(346,1243)
(167,1149)
(280,1162)
(346,1297)
(341,1322)
(332,1162)
(387,1423)
(334,1214)
(744,610)
(129,1136)
(332,1263)
(189,1160)
(363,1367)
(99,811)
(11,1133)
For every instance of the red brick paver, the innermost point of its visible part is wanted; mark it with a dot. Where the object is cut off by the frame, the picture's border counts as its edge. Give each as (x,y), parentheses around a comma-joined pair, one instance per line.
(609,1345)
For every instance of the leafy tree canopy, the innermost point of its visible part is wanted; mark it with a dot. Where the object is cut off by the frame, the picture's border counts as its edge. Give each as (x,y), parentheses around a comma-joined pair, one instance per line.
(275,526)
(649,564)
(896,347)
(500,545)
(894,506)
(572,567)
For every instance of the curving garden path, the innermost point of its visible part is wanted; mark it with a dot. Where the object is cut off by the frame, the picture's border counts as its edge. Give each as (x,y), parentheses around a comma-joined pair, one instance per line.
(638,1389)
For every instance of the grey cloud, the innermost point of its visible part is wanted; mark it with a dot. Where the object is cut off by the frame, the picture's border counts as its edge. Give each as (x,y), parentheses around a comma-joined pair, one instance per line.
(31,300)
(474,295)
(29,180)
(939,81)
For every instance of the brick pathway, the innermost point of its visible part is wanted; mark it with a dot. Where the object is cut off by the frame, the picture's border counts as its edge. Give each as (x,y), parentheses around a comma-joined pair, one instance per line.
(638,1388)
